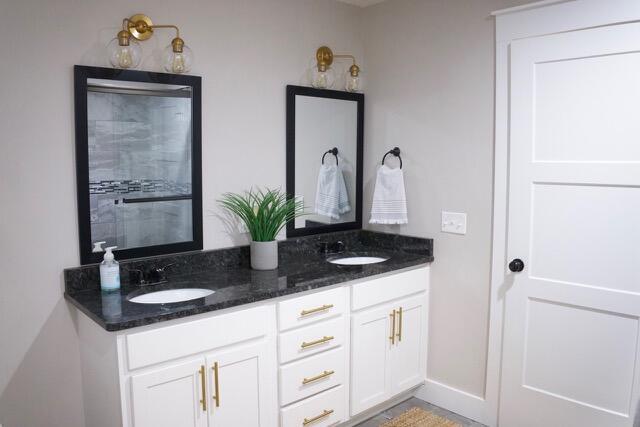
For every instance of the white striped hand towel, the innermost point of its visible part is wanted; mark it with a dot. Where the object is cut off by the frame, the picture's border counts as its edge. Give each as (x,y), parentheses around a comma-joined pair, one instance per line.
(332,199)
(389,201)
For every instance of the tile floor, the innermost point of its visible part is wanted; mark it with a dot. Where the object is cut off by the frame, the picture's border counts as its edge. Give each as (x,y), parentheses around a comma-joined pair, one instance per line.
(407,404)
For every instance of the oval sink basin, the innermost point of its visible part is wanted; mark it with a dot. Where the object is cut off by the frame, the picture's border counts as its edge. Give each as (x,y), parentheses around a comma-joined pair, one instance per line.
(357,260)
(171,295)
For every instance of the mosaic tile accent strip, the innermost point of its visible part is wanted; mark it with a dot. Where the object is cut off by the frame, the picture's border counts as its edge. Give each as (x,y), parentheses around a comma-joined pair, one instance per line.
(139,185)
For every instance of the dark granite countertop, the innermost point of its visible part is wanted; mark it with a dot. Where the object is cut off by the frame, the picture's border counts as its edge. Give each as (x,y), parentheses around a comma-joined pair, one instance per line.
(227,272)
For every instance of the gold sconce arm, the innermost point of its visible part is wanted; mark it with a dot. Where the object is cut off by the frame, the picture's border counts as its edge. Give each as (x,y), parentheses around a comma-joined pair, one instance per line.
(351,57)
(177,43)
(325,57)
(141,27)
(354,70)
(168,26)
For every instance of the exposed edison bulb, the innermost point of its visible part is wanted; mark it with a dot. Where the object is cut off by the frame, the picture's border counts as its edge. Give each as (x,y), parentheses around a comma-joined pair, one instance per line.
(178,62)
(124,56)
(352,79)
(322,79)
(353,84)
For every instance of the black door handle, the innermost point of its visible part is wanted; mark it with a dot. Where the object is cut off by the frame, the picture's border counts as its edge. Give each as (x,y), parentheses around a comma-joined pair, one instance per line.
(517,265)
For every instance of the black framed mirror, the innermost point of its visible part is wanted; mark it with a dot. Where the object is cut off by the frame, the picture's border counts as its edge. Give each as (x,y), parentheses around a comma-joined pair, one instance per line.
(325,133)
(138,162)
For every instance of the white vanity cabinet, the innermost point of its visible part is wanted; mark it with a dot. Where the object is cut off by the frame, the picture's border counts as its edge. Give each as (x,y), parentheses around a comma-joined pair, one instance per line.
(388,337)
(314,362)
(171,396)
(212,371)
(224,388)
(239,387)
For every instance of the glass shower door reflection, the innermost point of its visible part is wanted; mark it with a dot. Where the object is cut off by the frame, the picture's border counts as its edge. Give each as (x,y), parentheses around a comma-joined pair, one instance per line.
(140,164)
(142,223)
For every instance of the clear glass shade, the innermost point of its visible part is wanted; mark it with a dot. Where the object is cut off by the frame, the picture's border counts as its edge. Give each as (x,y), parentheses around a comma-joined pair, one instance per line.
(177,62)
(322,79)
(124,56)
(327,79)
(353,83)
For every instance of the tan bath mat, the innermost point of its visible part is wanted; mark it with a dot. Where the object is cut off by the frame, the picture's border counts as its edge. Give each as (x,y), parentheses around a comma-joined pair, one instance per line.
(417,417)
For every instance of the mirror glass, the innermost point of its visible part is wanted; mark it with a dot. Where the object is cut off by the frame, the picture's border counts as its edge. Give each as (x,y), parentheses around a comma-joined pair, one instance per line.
(325,147)
(140,158)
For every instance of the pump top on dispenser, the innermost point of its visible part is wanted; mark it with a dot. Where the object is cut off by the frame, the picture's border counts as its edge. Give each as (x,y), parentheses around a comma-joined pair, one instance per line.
(109,271)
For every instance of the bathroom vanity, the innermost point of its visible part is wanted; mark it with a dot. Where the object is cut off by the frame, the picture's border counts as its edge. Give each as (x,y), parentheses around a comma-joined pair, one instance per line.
(313,343)
(336,333)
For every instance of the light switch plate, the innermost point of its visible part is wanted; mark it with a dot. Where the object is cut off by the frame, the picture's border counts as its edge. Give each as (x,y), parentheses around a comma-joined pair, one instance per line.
(454,222)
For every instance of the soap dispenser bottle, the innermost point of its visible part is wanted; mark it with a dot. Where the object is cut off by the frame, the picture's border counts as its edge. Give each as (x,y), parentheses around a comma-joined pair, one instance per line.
(109,271)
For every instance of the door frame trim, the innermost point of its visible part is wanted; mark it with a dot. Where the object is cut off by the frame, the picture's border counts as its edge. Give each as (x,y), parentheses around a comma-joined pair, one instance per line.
(534,20)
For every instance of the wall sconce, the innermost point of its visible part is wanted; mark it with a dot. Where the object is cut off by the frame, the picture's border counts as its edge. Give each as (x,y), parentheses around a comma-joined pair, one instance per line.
(323,76)
(125,51)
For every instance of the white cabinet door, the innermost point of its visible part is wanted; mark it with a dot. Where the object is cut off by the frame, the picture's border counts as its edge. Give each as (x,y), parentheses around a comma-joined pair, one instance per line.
(370,345)
(572,308)
(408,354)
(242,387)
(170,397)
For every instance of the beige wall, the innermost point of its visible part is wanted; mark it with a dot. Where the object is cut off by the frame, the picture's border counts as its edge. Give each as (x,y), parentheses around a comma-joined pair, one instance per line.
(429,87)
(246,51)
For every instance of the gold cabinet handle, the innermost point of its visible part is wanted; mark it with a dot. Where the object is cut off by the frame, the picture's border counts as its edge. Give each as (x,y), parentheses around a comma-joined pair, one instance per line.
(204,389)
(216,385)
(315,310)
(392,337)
(322,340)
(317,377)
(399,334)
(324,414)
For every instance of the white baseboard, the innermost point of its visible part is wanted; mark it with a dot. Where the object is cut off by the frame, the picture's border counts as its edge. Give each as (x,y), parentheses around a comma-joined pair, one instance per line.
(454,400)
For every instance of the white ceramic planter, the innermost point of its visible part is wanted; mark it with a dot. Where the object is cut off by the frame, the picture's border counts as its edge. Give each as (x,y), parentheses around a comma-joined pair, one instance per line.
(264,255)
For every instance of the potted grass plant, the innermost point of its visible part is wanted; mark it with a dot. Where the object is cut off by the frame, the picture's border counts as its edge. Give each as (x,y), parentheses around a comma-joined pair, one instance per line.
(264,212)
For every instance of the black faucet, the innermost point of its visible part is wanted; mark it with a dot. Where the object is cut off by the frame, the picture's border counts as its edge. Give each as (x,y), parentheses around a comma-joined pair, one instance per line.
(149,276)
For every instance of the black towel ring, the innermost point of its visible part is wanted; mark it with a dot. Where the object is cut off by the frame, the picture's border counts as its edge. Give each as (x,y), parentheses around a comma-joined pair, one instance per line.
(333,151)
(396,152)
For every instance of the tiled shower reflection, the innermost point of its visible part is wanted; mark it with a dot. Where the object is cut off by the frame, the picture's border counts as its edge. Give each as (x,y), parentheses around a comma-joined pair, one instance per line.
(139,149)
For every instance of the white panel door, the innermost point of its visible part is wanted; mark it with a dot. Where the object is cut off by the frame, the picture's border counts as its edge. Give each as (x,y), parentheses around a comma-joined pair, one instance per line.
(409,353)
(170,397)
(571,321)
(371,330)
(242,391)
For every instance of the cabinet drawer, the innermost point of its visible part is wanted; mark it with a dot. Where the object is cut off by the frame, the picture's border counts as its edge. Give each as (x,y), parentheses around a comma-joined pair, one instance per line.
(311,339)
(312,375)
(172,342)
(310,308)
(388,288)
(322,410)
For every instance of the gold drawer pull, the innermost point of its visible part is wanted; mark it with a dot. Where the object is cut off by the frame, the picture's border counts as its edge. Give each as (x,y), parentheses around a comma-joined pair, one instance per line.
(324,414)
(317,377)
(399,334)
(216,384)
(315,310)
(392,337)
(322,340)
(204,390)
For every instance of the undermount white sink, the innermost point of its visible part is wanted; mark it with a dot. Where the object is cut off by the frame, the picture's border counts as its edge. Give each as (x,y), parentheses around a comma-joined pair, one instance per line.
(172,295)
(357,260)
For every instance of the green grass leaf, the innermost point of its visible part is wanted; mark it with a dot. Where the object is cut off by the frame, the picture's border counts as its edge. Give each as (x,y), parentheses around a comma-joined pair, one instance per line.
(264,212)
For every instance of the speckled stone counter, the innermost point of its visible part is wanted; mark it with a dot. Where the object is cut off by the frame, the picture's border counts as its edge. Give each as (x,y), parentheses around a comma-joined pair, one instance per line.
(226,271)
